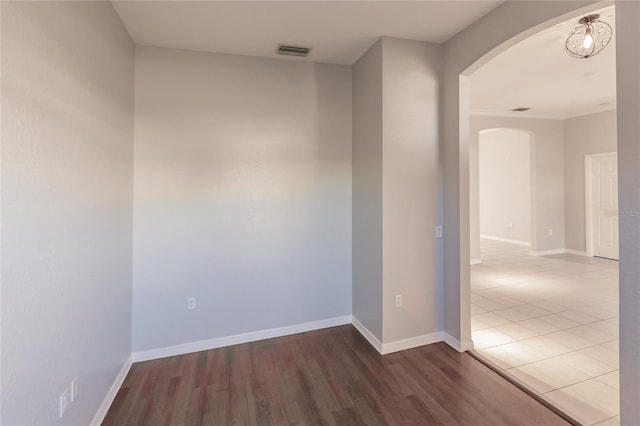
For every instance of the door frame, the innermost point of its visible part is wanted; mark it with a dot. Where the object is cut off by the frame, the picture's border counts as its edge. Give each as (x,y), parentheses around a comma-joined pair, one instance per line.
(588,197)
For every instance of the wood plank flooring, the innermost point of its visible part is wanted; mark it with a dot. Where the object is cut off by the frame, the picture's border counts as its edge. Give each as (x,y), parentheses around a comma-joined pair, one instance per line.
(325,377)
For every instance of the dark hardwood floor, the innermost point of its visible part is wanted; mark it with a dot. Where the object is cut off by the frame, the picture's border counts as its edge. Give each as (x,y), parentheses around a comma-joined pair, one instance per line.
(325,377)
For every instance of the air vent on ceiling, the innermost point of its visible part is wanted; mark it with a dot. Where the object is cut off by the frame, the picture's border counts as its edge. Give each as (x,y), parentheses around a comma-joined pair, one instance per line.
(284,49)
(521,109)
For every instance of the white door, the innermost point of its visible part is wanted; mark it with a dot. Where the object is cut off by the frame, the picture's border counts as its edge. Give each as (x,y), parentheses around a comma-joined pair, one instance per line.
(604,186)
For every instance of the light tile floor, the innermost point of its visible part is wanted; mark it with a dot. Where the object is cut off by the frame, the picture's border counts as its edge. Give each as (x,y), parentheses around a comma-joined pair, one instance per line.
(551,322)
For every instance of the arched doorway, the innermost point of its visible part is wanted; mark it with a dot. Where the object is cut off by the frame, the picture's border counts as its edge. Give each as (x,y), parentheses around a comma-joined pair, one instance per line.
(502,202)
(466,52)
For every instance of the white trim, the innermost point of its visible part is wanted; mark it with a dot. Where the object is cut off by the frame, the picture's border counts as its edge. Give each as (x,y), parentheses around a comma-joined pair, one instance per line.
(475,261)
(411,342)
(204,345)
(576,252)
(612,107)
(367,334)
(588,201)
(113,391)
(588,198)
(456,344)
(398,345)
(506,240)
(514,114)
(535,116)
(559,251)
(547,252)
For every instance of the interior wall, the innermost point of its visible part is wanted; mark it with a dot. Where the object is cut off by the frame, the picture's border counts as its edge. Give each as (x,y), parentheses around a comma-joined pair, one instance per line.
(505,184)
(242,195)
(367,189)
(547,174)
(411,185)
(589,134)
(67,164)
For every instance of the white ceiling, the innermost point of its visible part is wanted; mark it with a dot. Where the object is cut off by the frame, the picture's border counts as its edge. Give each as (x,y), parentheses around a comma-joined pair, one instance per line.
(539,74)
(338,31)
(535,73)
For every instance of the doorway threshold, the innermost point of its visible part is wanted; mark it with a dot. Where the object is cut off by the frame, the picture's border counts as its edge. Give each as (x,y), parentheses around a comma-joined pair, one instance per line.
(517,383)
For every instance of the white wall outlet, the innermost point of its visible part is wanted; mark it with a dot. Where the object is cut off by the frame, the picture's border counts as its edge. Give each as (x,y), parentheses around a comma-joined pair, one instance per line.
(510,224)
(550,232)
(398,300)
(74,389)
(64,401)
(191,303)
(438,231)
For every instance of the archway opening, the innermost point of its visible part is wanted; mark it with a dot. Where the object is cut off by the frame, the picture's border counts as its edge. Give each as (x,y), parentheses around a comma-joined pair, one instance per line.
(547,316)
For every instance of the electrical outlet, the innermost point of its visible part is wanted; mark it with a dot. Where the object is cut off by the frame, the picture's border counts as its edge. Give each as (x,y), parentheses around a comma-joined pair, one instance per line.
(550,232)
(438,231)
(398,300)
(191,303)
(74,389)
(510,224)
(64,401)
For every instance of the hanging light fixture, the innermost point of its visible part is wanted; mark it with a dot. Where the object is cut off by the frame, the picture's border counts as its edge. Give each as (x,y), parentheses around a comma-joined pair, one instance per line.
(589,39)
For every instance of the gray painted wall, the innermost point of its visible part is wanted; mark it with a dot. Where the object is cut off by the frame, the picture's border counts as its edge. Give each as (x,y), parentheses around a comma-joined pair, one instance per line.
(548,177)
(412,256)
(242,195)
(590,134)
(67,150)
(397,189)
(628,111)
(367,189)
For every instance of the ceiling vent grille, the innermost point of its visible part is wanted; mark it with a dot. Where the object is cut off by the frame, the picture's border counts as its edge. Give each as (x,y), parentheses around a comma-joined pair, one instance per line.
(284,49)
(521,109)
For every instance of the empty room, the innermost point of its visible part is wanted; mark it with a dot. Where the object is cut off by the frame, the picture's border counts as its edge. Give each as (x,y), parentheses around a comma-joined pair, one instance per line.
(262,212)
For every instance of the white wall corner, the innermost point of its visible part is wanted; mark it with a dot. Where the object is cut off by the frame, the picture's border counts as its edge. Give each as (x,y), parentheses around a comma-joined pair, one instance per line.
(371,338)
(412,342)
(111,394)
(547,252)
(220,342)
(456,344)
(475,261)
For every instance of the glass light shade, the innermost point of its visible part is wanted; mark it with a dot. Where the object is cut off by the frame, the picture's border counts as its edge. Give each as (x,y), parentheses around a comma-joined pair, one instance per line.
(589,39)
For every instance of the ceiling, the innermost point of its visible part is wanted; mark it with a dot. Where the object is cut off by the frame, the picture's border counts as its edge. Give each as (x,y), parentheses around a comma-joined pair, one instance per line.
(337,31)
(538,73)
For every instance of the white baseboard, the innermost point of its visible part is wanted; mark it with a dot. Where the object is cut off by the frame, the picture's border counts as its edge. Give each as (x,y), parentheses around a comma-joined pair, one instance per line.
(111,395)
(576,252)
(398,345)
(371,338)
(547,252)
(476,261)
(411,342)
(220,342)
(506,240)
(559,251)
(456,344)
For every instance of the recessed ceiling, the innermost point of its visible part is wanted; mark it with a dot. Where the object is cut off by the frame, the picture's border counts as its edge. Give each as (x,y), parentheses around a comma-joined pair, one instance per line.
(539,74)
(338,31)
